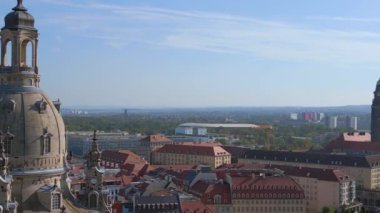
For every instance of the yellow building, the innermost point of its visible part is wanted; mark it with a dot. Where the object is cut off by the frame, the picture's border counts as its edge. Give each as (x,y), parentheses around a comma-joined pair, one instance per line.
(364,169)
(192,153)
(324,187)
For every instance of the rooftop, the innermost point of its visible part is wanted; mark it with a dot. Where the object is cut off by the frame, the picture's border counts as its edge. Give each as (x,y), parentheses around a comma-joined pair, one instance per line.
(272,187)
(333,175)
(156,138)
(357,136)
(194,149)
(367,161)
(216,125)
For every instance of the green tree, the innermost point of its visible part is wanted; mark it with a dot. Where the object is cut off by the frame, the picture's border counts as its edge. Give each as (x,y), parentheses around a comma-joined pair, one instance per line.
(328,210)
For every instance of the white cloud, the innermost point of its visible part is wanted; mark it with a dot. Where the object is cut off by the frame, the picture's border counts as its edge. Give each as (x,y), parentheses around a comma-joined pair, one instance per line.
(346,19)
(119,26)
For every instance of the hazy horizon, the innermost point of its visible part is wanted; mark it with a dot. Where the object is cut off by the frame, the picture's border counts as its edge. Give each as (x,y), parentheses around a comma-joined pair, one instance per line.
(180,54)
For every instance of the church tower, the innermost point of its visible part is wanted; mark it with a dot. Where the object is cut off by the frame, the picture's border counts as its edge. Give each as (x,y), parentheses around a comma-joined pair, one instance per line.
(94,196)
(375,115)
(35,144)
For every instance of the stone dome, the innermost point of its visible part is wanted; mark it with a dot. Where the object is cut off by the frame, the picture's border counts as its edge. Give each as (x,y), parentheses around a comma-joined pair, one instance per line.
(38,145)
(19,18)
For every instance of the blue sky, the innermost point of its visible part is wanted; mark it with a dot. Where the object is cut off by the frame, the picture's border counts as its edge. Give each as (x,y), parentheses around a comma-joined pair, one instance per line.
(200,53)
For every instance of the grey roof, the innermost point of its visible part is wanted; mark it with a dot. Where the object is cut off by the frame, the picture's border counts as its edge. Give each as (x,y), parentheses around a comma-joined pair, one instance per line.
(19,19)
(368,161)
(216,125)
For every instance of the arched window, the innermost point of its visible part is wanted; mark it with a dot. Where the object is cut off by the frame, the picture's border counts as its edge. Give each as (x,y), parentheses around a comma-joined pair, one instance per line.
(8,53)
(46,142)
(217,199)
(93,200)
(47,145)
(26,54)
(8,139)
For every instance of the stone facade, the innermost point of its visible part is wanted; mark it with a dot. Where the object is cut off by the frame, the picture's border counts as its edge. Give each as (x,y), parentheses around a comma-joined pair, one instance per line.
(36,148)
(191,153)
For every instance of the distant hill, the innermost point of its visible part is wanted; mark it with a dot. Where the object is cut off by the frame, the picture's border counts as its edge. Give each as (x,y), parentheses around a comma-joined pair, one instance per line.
(352,109)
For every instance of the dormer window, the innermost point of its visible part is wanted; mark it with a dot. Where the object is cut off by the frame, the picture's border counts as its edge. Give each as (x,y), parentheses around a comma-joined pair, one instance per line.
(41,106)
(10,105)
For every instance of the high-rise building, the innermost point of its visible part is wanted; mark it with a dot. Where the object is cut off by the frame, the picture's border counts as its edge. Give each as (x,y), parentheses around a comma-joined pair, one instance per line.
(375,115)
(332,122)
(293,116)
(352,122)
(35,132)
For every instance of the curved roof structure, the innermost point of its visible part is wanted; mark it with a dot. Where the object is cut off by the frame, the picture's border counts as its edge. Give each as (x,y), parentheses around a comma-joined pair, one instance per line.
(223,125)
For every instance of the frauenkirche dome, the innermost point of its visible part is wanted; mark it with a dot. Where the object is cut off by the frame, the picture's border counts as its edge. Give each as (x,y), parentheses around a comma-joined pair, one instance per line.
(31,125)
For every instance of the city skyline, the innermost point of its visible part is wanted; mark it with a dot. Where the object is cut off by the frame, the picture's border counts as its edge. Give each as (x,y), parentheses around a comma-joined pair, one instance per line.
(202,54)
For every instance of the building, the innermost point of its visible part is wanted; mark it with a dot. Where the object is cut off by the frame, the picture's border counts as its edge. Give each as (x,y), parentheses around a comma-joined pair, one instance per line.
(79,143)
(125,160)
(188,130)
(150,143)
(215,195)
(200,129)
(370,199)
(364,169)
(94,197)
(353,143)
(194,206)
(332,122)
(266,194)
(323,187)
(192,153)
(375,115)
(293,116)
(35,133)
(157,204)
(352,122)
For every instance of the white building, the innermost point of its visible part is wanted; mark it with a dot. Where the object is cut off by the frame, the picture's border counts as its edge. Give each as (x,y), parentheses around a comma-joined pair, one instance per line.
(352,122)
(332,122)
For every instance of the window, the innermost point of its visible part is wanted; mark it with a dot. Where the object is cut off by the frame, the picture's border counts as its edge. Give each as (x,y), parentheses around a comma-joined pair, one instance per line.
(46,142)
(8,143)
(26,53)
(47,145)
(217,199)
(8,53)
(56,201)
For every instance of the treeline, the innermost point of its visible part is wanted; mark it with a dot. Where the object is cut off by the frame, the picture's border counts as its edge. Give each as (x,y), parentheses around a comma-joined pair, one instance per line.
(280,137)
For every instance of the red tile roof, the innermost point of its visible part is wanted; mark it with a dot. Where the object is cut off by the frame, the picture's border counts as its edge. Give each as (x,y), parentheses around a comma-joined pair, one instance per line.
(194,149)
(127,160)
(121,156)
(195,206)
(206,190)
(274,187)
(333,175)
(353,142)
